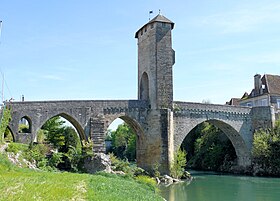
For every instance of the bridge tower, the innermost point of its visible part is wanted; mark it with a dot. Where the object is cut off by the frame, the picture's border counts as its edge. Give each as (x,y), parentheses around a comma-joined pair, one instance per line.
(155,60)
(155,85)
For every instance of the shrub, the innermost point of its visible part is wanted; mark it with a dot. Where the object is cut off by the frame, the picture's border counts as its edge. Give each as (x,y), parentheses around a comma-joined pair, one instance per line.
(55,159)
(36,152)
(156,172)
(6,118)
(17,147)
(148,181)
(266,150)
(179,164)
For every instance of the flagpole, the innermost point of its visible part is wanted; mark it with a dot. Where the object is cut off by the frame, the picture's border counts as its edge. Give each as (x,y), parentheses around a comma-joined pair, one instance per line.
(0,30)
(150,12)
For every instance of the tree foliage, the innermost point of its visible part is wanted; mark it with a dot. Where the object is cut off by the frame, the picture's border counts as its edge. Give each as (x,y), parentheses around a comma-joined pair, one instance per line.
(179,164)
(5,120)
(124,142)
(212,150)
(266,150)
(54,131)
(66,142)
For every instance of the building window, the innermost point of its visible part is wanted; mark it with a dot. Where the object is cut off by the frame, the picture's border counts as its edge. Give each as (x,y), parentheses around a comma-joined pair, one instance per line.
(278,103)
(249,104)
(264,102)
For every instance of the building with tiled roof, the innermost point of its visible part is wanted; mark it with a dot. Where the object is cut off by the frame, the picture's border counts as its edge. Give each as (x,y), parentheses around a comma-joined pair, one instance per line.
(233,101)
(266,92)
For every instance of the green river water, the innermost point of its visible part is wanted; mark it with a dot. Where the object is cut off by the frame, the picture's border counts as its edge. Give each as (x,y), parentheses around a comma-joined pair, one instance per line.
(212,187)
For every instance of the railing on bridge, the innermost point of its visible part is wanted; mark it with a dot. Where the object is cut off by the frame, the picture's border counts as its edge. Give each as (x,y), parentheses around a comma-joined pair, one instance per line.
(211,111)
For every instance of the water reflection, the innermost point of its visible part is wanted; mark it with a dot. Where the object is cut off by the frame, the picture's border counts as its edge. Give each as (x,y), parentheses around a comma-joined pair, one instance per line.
(213,187)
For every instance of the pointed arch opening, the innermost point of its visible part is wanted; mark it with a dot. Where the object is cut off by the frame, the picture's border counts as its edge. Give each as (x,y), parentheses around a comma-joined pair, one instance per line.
(69,121)
(8,135)
(25,125)
(61,139)
(124,136)
(215,145)
(144,87)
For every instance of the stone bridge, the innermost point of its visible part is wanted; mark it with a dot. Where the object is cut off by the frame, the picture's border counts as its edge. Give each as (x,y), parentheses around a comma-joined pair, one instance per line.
(159,132)
(90,118)
(237,123)
(160,123)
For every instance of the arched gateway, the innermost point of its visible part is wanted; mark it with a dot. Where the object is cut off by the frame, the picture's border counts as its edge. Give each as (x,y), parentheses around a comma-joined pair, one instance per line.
(160,123)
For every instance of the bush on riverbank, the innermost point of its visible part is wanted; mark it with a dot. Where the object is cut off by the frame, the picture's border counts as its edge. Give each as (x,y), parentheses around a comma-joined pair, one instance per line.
(266,152)
(179,164)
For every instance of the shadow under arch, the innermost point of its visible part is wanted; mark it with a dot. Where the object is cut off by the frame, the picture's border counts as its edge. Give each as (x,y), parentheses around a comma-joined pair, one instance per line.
(72,120)
(11,132)
(28,121)
(242,152)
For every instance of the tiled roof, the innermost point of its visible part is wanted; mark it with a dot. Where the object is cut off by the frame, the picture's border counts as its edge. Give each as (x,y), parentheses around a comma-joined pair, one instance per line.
(272,83)
(233,101)
(158,18)
(161,18)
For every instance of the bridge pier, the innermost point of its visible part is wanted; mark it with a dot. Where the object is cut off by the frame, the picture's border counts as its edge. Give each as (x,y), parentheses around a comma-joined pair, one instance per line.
(156,146)
(97,134)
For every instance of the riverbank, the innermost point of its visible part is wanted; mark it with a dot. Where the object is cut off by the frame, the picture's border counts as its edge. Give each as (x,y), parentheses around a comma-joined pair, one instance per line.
(25,184)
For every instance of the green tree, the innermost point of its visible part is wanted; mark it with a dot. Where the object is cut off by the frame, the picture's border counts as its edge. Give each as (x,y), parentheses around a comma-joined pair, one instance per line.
(124,142)
(67,142)
(179,163)
(54,131)
(212,150)
(266,150)
(5,120)
(71,139)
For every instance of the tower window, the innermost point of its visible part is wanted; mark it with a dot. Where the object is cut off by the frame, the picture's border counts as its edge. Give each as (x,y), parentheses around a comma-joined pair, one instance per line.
(152,26)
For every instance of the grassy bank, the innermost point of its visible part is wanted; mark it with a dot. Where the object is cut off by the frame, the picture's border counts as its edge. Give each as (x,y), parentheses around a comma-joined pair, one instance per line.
(24,184)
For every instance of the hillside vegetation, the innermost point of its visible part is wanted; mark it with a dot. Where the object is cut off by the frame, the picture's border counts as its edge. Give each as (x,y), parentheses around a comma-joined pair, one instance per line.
(25,184)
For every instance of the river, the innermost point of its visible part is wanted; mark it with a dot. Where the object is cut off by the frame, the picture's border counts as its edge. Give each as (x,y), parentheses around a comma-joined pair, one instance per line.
(207,186)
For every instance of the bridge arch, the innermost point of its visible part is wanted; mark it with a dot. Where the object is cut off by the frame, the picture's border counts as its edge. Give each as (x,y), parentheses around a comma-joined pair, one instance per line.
(242,152)
(134,125)
(69,118)
(144,87)
(10,132)
(26,120)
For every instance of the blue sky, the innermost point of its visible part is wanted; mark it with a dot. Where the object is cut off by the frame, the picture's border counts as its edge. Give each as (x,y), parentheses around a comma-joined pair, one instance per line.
(62,50)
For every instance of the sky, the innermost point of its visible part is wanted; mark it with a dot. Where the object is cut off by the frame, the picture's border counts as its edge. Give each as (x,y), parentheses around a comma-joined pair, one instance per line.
(86,50)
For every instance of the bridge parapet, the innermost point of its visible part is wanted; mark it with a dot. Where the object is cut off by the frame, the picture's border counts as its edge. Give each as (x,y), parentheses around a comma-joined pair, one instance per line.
(132,106)
(210,111)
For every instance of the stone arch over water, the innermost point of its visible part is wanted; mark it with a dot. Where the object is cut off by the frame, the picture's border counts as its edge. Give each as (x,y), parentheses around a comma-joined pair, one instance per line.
(242,152)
